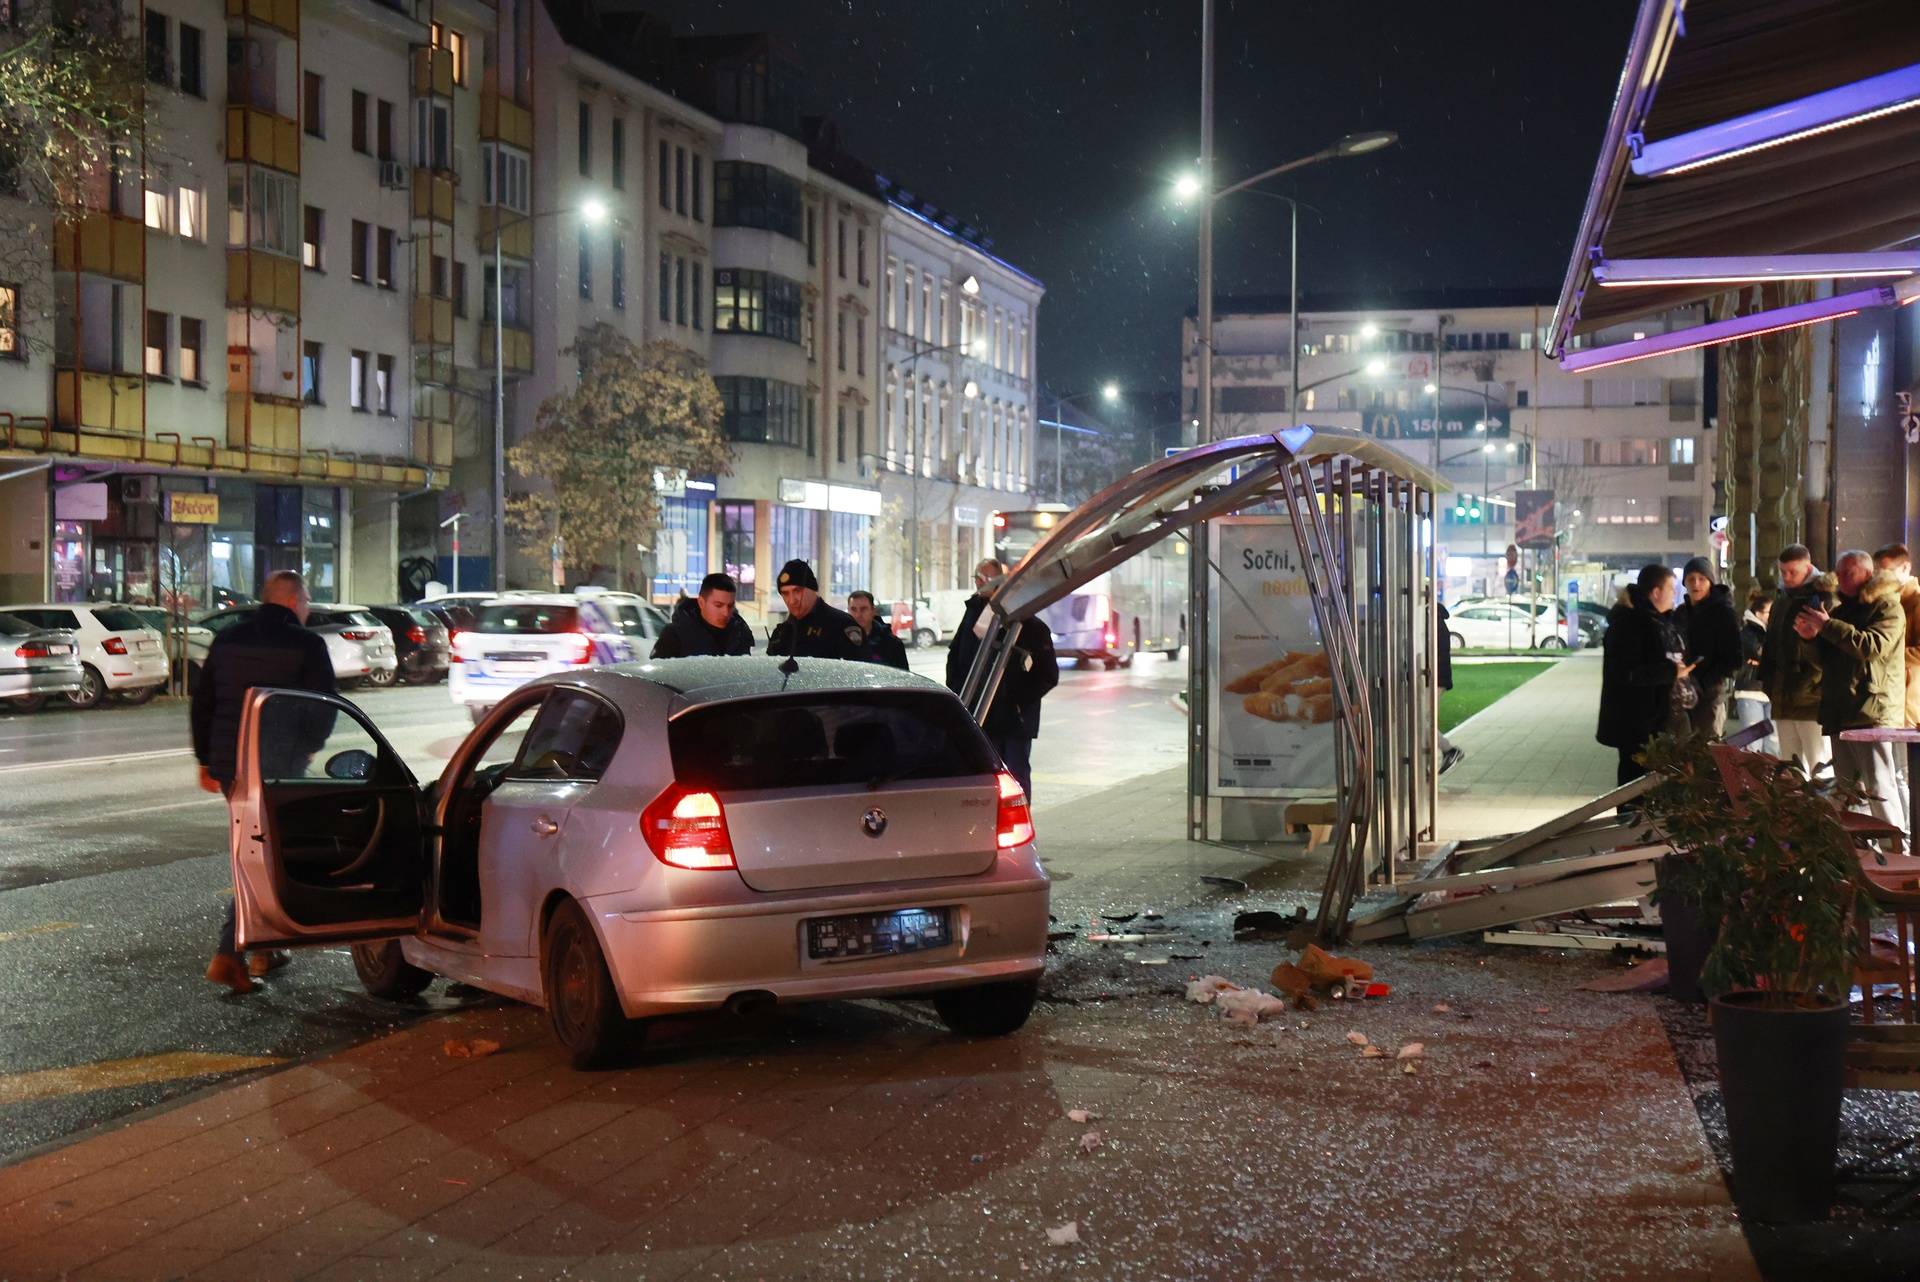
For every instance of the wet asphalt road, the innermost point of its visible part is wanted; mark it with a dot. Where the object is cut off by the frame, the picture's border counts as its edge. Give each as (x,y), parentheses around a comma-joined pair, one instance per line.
(112,873)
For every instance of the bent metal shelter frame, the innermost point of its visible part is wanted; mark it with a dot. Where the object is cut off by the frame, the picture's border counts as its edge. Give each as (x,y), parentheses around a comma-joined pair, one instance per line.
(1350,501)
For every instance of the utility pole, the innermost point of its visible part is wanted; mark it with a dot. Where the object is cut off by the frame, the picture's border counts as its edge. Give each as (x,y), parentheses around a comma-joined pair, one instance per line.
(1205,406)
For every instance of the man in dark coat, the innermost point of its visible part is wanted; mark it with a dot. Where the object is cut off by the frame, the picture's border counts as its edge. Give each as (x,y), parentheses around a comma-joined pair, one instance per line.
(1642,656)
(271,648)
(1711,628)
(1863,675)
(1790,664)
(1013,719)
(1450,756)
(706,624)
(813,629)
(882,646)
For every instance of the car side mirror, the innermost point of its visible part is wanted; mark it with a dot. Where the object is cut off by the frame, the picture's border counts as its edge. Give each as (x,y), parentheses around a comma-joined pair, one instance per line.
(351,764)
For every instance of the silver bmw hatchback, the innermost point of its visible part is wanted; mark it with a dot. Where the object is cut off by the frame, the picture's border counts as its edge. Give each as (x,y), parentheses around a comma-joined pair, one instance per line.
(646,839)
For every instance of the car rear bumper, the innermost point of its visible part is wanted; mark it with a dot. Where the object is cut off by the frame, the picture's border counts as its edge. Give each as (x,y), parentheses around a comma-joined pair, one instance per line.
(15,685)
(688,959)
(473,689)
(131,672)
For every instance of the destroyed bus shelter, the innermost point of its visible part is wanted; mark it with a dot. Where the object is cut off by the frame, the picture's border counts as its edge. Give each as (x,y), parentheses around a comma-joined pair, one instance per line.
(1361,521)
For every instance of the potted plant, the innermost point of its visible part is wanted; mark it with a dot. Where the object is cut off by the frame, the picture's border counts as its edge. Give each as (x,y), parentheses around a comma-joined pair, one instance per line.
(1795,923)
(1688,806)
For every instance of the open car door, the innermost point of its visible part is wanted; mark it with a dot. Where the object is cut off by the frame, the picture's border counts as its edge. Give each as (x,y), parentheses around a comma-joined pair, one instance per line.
(327,842)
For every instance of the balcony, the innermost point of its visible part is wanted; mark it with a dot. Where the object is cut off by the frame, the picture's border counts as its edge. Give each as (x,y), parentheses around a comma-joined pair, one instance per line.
(516,240)
(256,278)
(432,442)
(259,137)
(101,244)
(256,422)
(433,321)
(104,402)
(432,72)
(433,195)
(516,349)
(506,121)
(283,14)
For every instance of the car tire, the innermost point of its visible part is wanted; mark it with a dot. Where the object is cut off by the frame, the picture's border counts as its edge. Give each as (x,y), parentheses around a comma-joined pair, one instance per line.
(25,703)
(93,688)
(582,1008)
(385,971)
(383,677)
(1552,643)
(923,638)
(1455,641)
(136,697)
(987,1010)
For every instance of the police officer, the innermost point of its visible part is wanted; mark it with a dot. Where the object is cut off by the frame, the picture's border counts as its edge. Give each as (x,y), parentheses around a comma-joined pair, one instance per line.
(813,629)
(881,645)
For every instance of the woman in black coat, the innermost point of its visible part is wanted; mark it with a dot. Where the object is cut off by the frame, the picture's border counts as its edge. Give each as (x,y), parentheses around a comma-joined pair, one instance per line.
(1643,655)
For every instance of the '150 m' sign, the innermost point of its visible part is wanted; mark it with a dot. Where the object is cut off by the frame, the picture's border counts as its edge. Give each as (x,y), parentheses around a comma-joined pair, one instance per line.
(1405,425)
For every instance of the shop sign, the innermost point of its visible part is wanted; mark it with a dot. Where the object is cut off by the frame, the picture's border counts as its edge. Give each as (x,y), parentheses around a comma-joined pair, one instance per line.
(966,515)
(1457,423)
(186,508)
(86,501)
(818,496)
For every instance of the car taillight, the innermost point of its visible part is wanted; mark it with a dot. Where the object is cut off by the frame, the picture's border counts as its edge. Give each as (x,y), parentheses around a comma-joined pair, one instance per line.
(357,634)
(36,650)
(417,634)
(1016,817)
(1111,638)
(687,830)
(114,645)
(582,648)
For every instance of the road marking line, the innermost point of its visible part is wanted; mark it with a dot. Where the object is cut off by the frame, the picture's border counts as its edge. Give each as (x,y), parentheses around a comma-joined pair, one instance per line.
(110,759)
(115,814)
(44,928)
(107,1074)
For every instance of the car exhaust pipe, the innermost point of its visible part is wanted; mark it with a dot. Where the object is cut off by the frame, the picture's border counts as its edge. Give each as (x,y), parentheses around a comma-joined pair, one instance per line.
(752,1001)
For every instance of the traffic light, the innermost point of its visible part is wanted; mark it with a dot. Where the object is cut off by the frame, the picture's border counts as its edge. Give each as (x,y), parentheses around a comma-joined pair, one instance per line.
(1466,509)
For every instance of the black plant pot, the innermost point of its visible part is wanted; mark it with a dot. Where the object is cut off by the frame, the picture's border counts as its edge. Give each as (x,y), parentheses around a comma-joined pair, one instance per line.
(1688,939)
(1781,1072)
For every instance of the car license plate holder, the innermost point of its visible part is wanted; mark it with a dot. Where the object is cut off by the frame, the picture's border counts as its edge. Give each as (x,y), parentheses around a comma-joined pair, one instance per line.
(861,936)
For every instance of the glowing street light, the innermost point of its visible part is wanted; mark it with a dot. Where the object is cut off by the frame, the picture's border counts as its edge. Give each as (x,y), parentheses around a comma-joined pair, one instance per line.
(1186,186)
(1110,393)
(593,211)
(1376,367)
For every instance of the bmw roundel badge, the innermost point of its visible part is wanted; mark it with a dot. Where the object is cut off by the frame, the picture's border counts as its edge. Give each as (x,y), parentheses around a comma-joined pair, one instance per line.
(874,822)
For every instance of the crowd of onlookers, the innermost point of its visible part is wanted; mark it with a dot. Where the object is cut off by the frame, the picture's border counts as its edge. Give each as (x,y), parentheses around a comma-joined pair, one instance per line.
(1820,654)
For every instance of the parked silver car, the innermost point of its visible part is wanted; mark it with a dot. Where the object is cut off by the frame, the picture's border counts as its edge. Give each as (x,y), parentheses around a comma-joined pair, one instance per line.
(655,838)
(36,663)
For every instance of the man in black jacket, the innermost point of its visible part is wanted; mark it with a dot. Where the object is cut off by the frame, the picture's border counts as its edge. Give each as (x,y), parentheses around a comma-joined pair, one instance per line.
(271,648)
(881,645)
(706,624)
(1644,656)
(813,629)
(1711,627)
(1013,719)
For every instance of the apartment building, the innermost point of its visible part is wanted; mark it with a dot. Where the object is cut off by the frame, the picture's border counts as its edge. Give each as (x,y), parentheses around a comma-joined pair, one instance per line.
(1628,453)
(266,309)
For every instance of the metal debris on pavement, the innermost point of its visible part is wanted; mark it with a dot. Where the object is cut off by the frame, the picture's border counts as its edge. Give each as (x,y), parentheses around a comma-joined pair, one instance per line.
(1358,1038)
(1067,1234)
(1080,1115)
(1412,1050)
(1091,1141)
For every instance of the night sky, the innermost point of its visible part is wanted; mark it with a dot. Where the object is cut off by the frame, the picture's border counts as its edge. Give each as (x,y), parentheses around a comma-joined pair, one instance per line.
(1058,127)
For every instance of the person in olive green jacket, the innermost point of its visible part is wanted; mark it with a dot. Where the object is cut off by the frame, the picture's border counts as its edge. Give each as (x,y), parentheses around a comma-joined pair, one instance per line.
(1790,667)
(1863,675)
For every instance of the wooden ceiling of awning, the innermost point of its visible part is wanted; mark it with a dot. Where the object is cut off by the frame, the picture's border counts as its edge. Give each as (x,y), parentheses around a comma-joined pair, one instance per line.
(1856,189)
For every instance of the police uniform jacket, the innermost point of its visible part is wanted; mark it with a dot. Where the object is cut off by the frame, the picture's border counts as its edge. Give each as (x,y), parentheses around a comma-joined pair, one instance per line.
(826,633)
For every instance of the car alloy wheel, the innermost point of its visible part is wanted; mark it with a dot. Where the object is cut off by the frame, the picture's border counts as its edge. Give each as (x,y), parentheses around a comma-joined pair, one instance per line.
(93,688)
(24,703)
(138,695)
(582,1008)
(382,676)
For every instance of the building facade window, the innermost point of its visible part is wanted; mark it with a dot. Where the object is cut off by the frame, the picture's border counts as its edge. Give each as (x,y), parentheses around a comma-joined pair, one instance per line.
(159,55)
(313,99)
(851,545)
(192,340)
(679,291)
(505,173)
(860,345)
(680,560)
(360,143)
(617,286)
(860,236)
(840,341)
(432,133)
(513,295)
(663,181)
(840,247)
(383,129)
(193,213)
(617,159)
(383,385)
(750,195)
(263,211)
(666,288)
(586,139)
(699,274)
(460,289)
(313,238)
(586,264)
(699,165)
(358,251)
(680,180)
(813,238)
(11,348)
(763,410)
(159,331)
(736,547)
(310,354)
(357,381)
(746,301)
(796,534)
(383,257)
(193,61)
(840,432)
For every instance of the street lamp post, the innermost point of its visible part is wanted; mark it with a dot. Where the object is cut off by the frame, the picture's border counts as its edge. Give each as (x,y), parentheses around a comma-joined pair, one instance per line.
(592,213)
(1199,185)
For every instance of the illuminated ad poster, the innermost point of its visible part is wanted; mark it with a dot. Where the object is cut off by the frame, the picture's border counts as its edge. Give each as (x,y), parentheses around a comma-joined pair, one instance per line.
(1270,697)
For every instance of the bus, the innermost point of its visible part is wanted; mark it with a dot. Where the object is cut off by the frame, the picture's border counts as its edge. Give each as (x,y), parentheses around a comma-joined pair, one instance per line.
(1137,607)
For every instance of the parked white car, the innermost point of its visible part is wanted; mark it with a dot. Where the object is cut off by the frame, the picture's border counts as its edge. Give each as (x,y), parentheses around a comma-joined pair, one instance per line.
(35,664)
(119,653)
(518,637)
(1499,625)
(360,646)
(654,839)
(162,621)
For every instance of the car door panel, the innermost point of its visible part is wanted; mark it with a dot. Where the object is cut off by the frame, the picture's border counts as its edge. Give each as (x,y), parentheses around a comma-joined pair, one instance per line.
(327,839)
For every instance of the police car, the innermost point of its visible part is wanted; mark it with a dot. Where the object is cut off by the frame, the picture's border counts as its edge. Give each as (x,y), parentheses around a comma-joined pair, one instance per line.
(521,636)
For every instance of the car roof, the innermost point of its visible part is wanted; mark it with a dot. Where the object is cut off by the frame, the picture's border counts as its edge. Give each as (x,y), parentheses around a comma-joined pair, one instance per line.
(716,680)
(534,598)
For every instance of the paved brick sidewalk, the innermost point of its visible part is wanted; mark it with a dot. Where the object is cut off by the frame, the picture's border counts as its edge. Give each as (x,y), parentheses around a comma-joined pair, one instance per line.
(1547,1133)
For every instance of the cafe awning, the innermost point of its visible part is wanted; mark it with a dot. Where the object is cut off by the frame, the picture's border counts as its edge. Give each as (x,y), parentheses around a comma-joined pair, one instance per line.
(1751,141)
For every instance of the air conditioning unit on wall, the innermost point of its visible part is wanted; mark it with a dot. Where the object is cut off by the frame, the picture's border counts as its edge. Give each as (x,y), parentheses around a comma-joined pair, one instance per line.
(393,174)
(137,489)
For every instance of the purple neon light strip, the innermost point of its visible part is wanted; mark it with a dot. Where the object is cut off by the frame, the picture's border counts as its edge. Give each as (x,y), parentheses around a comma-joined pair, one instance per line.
(1685,340)
(1771,126)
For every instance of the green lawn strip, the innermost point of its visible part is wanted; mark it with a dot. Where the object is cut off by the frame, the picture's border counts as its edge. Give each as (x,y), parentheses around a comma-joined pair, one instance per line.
(1475,685)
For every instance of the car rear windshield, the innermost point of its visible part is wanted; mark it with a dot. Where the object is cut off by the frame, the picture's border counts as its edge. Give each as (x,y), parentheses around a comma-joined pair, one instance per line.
(13,626)
(528,620)
(813,740)
(118,618)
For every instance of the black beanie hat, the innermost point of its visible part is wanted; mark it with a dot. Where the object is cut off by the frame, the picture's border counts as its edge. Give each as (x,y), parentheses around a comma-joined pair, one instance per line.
(798,574)
(1699,565)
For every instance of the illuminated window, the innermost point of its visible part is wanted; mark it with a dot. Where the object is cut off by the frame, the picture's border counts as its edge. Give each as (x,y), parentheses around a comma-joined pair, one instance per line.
(10,346)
